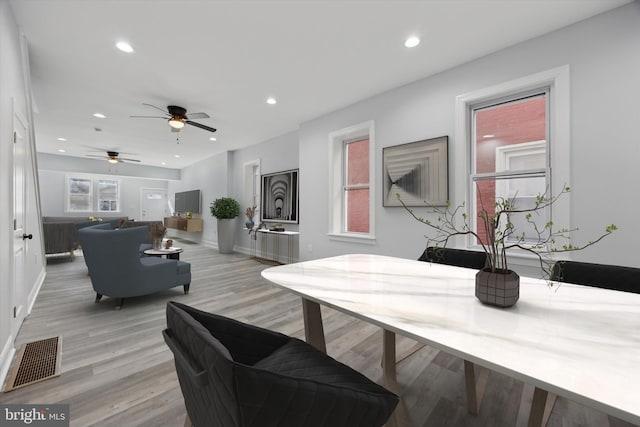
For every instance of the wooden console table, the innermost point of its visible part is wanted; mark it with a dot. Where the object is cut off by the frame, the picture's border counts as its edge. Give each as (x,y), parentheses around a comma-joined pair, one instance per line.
(184,224)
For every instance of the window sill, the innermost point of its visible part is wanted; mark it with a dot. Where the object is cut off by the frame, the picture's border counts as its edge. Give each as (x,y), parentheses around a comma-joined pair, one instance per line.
(365,239)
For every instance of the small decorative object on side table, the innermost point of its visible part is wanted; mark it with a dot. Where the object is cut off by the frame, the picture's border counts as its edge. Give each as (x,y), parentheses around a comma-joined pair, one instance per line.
(250,213)
(157,232)
(276,227)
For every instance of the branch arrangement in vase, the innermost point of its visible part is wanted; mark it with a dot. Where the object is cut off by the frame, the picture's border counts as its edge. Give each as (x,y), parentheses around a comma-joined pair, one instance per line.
(499,232)
(250,212)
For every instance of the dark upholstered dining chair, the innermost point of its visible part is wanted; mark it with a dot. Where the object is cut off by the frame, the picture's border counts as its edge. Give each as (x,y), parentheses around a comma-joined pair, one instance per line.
(237,375)
(614,277)
(456,257)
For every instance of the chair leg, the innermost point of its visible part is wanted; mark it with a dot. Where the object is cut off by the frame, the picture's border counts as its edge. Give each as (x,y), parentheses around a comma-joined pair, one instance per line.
(186,289)
(98,297)
(119,303)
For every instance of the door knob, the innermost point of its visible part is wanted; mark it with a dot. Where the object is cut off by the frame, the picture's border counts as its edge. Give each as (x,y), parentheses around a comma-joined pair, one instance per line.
(27,236)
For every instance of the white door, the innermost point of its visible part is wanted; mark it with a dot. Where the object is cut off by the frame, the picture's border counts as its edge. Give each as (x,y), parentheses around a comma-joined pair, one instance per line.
(153,204)
(20,238)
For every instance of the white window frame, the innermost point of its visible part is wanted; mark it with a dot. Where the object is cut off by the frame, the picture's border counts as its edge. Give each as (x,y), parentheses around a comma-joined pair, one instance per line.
(557,80)
(337,204)
(98,199)
(67,188)
(93,193)
(506,152)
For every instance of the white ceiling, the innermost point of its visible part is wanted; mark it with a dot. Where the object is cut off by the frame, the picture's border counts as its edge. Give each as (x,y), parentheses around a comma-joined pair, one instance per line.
(226,57)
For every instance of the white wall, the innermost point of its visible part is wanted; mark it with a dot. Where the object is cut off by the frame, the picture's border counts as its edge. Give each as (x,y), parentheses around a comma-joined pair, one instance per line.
(53,186)
(222,176)
(211,177)
(603,56)
(275,155)
(12,96)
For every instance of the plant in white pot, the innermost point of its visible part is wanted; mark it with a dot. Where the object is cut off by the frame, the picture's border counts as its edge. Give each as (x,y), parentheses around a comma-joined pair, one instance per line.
(226,210)
(496,284)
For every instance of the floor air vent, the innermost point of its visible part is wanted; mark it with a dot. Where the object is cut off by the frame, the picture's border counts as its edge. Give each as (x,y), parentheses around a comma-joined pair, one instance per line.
(36,361)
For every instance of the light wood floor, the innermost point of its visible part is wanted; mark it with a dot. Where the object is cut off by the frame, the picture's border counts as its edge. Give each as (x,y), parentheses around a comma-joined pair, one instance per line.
(117,371)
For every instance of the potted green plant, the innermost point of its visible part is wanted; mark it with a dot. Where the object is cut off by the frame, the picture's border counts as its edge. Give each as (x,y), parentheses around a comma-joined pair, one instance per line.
(225,209)
(496,234)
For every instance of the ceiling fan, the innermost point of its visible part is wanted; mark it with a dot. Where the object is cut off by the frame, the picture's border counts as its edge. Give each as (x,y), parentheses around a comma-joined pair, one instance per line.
(177,118)
(114,157)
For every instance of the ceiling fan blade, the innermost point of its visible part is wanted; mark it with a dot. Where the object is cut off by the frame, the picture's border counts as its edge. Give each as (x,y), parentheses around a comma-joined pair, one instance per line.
(99,157)
(198,115)
(128,160)
(200,125)
(148,117)
(157,108)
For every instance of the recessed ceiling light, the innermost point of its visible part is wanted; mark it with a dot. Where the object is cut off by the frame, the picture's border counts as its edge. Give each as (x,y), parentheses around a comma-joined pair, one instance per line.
(62,139)
(163,163)
(125,47)
(271,101)
(99,115)
(62,151)
(177,156)
(212,139)
(488,136)
(412,42)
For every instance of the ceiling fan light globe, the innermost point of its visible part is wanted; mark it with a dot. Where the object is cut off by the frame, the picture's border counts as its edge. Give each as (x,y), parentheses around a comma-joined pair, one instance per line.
(176,124)
(112,160)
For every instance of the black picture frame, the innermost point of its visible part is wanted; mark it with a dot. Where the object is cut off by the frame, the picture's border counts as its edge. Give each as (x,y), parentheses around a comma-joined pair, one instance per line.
(418,171)
(279,201)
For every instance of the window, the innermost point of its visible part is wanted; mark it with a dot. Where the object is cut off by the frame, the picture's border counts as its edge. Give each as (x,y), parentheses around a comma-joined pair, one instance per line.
(82,188)
(517,139)
(108,196)
(509,157)
(356,186)
(79,195)
(351,195)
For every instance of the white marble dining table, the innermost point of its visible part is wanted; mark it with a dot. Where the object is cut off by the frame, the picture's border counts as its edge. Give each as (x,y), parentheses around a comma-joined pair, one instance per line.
(579,342)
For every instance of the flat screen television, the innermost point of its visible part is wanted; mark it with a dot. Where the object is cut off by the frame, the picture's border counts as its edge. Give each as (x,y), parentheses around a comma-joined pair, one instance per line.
(188,201)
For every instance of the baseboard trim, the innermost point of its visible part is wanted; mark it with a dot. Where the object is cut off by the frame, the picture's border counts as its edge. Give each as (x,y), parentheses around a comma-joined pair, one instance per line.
(6,356)
(36,290)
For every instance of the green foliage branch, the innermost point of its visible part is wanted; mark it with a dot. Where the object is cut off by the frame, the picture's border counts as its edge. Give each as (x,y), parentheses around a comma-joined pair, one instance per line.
(501,235)
(225,208)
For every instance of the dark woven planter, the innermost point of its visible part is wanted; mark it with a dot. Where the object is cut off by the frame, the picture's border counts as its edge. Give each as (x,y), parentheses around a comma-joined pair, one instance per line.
(501,289)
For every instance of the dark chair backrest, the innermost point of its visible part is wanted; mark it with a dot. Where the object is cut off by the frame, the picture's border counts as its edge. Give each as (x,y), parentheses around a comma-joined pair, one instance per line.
(614,277)
(457,257)
(234,374)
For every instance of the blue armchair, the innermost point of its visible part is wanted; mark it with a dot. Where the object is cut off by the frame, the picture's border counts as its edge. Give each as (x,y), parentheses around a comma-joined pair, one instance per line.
(118,271)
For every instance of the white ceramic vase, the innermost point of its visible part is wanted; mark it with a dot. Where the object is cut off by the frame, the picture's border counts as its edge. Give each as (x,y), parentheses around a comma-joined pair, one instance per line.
(226,235)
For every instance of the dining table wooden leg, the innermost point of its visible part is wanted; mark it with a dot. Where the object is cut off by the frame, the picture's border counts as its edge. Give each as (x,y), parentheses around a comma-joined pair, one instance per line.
(400,417)
(313,329)
(541,407)
(475,387)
